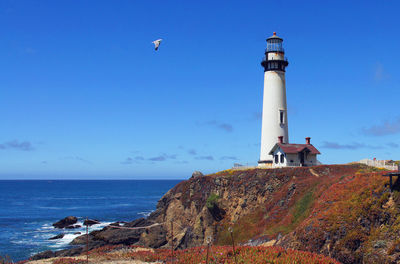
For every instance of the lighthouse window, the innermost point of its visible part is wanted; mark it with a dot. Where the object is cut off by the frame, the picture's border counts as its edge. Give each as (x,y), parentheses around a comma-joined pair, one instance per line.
(276,159)
(282,117)
(282,158)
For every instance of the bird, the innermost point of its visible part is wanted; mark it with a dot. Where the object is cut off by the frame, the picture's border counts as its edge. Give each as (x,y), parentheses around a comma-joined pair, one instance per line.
(156,43)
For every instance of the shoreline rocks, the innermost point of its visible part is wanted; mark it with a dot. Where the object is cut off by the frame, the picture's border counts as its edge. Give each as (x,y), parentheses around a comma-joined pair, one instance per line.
(73,226)
(59,236)
(91,222)
(66,222)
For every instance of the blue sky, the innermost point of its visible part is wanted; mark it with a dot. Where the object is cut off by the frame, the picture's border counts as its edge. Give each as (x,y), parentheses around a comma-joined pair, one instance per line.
(83,94)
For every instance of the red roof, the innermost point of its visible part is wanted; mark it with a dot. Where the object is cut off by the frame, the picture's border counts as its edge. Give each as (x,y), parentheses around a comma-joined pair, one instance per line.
(295,148)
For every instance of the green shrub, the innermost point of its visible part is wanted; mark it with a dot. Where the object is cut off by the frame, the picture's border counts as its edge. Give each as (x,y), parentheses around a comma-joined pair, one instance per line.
(301,207)
(212,200)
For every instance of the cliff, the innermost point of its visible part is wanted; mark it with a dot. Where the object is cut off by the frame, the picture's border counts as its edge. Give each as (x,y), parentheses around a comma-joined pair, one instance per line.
(343,211)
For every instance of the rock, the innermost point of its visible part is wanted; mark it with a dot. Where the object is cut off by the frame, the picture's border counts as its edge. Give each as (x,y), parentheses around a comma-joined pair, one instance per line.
(270,188)
(380,244)
(67,221)
(57,237)
(73,226)
(77,233)
(80,240)
(43,255)
(197,174)
(217,212)
(90,222)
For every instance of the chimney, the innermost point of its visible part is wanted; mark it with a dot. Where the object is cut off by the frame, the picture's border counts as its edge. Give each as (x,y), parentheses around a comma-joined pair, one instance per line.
(280,139)
(308,140)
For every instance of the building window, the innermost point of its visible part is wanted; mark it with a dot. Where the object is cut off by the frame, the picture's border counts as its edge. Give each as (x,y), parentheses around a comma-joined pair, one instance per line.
(282,158)
(276,159)
(282,117)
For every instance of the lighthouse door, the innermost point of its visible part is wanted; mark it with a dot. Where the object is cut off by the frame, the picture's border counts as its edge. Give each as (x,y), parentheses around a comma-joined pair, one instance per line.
(301,157)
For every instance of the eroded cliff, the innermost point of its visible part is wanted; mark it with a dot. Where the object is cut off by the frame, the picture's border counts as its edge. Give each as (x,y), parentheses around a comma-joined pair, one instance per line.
(343,211)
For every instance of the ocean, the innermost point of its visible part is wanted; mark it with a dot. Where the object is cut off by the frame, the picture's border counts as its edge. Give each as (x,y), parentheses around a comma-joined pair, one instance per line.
(28,208)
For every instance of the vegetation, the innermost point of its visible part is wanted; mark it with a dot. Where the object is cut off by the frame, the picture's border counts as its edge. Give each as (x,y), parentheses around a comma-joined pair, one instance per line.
(69,261)
(217,254)
(7,260)
(302,207)
(212,201)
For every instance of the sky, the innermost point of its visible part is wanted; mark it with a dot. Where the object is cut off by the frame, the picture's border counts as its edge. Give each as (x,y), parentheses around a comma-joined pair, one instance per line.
(84,95)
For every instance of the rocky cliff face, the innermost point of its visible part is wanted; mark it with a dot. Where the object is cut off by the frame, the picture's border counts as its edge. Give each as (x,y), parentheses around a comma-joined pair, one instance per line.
(343,211)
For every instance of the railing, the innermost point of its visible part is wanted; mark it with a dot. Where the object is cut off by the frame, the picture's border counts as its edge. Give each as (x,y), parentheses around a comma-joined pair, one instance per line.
(274,48)
(243,167)
(380,164)
(293,164)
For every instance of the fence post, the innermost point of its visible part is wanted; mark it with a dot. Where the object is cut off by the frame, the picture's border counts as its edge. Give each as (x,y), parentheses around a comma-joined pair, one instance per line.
(172,242)
(87,241)
(233,243)
(208,248)
(209,239)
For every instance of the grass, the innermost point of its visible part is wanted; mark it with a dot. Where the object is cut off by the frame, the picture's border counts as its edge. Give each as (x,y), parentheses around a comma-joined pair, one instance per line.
(217,254)
(302,207)
(212,200)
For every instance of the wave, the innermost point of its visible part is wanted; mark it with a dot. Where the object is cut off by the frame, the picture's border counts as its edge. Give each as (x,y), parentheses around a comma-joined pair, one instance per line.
(145,213)
(62,208)
(64,242)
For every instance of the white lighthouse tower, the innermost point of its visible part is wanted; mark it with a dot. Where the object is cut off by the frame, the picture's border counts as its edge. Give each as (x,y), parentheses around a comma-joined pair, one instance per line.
(274,115)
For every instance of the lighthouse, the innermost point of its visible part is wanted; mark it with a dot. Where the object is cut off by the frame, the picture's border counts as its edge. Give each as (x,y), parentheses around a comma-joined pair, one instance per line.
(274,114)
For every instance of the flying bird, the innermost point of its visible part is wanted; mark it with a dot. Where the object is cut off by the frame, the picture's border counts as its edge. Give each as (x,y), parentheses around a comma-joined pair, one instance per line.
(156,43)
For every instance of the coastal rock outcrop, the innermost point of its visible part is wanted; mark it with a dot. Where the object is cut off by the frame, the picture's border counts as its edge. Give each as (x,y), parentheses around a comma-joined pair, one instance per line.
(59,236)
(196,174)
(90,222)
(73,226)
(67,221)
(343,211)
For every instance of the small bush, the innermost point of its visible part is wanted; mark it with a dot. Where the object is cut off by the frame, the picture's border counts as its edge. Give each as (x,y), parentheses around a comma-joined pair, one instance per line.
(212,201)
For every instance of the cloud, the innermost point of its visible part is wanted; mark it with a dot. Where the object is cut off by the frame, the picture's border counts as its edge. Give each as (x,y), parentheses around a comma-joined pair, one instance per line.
(77,158)
(163,157)
(380,74)
(140,159)
(352,146)
(205,158)
(387,128)
(130,160)
(228,158)
(15,144)
(223,126)
(181,162)
(158,158)
(192,152)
